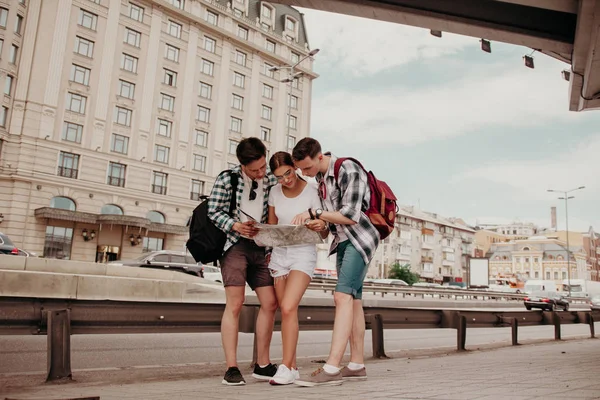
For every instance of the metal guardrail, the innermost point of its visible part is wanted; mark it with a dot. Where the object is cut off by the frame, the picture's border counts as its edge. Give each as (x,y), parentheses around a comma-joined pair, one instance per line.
(59,319)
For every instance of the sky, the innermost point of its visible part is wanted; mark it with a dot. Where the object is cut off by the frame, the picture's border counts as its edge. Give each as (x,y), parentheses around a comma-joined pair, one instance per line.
(454,130)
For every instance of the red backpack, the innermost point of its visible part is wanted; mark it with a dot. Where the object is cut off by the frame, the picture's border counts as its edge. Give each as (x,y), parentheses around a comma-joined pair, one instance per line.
(382,207)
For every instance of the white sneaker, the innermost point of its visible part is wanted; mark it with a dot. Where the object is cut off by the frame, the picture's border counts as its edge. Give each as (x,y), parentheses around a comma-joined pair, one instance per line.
(296,373)
(284,376)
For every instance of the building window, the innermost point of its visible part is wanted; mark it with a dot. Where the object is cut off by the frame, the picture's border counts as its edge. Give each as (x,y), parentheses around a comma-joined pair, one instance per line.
(208,67)
(119,144)
(164,127)
(265,134)
(294,57)
(270,45)
(8,84)
(136,12)
(123,116)
(177,3)
(1,45)
(199,163)
(80,74)
(171,53)
(242,32)
(129,63)
(156,217)
(291,142)
(3,115)
(169,77)
(293,102)
(233,146)
(292,121)
(201,138)
(159,182)
(84,47)
(238,13)
(174,29)
(72,132)
(63,203)
(68,165)
(132,37)
(239,79)
(268,71)
(126,89)
(167,102)
(205,90)
(152,244)
(76,103)
(536,274)
(203,114)
(555,275)
(267,12)
(3,17)
(57,243)
(14,53)
(266,112)
(295,83)
(212,18)
(290,25)
(240,58)
(116,174)
(197,189)
(267,91)
(161,154)
(237,102)
(87,19)
(548,275)
(210,45)
(564,275)
(236,125)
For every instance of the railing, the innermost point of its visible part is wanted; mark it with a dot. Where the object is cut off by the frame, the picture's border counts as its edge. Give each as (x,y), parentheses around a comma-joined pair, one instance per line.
(61,318)
(68,172)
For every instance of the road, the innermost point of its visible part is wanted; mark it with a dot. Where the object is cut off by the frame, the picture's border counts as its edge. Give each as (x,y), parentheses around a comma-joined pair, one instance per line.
(20,354)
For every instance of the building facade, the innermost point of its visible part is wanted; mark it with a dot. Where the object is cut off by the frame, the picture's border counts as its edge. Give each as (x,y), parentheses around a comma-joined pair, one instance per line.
(117,115)
(435,247)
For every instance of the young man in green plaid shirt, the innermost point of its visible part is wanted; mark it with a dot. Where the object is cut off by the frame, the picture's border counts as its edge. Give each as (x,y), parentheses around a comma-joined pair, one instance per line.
(243,260)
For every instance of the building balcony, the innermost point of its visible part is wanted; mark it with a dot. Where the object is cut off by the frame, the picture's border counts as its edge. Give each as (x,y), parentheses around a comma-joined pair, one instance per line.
(427,246)
(448,263)
(403,257)
(426,259)
(447,249)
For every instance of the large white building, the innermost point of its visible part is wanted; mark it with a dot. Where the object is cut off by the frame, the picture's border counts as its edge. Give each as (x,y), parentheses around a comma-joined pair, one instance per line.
(117,114)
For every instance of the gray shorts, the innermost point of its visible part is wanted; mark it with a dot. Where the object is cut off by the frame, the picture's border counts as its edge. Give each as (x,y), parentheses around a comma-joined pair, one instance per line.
(244,262)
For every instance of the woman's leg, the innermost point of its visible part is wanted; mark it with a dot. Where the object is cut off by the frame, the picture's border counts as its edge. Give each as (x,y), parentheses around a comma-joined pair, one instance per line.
(280,285)
(297,282)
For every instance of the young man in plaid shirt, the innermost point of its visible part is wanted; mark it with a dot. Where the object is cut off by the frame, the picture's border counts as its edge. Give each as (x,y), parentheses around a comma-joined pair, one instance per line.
(355,240)
(244,261)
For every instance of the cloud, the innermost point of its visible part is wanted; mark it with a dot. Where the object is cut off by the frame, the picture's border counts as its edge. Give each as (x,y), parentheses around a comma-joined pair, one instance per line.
(363,47)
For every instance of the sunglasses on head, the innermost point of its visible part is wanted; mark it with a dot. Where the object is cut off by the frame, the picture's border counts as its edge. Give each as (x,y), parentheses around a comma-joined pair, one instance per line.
(253,191)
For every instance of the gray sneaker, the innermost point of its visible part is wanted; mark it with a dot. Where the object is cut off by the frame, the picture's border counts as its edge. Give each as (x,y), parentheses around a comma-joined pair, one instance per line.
(321,378)
(354,374)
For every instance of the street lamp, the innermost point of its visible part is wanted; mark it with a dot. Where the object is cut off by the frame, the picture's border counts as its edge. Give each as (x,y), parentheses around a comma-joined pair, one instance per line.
(290,79)
(566,198)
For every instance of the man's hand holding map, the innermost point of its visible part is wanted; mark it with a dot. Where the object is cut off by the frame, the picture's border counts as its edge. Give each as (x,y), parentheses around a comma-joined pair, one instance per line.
(285,235)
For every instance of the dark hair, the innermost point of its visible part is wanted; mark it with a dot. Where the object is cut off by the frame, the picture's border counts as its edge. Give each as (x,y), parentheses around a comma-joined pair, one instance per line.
(250,149)
(280,159)
(307,147)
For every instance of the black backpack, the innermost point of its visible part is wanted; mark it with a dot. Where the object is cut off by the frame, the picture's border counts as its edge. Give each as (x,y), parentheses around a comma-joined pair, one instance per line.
(206,241)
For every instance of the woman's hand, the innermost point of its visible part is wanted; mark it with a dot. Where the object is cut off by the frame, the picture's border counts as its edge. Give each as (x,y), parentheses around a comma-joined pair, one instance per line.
(301,218)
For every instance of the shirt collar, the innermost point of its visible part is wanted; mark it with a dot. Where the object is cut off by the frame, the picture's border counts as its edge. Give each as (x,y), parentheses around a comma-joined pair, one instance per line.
(330,169)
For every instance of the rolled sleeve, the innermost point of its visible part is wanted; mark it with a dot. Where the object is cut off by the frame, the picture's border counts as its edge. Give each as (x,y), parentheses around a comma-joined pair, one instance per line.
(352,197)
(218,203)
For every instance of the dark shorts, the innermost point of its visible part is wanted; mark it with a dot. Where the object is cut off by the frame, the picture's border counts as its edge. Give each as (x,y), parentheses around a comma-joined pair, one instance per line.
(245,262)
(351,270)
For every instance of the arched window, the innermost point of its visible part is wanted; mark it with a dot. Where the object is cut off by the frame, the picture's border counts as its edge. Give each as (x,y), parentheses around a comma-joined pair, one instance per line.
(560,258)
(156,216)
(525,248)
(111,209)
(64,203)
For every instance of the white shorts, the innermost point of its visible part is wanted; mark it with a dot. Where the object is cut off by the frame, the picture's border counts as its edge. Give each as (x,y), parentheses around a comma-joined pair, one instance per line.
(294,258)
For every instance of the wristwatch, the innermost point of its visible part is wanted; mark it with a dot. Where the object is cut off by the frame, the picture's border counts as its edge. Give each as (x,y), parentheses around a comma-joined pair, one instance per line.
(318,213)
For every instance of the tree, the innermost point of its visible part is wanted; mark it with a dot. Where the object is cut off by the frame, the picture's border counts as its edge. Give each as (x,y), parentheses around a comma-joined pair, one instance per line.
(403,272)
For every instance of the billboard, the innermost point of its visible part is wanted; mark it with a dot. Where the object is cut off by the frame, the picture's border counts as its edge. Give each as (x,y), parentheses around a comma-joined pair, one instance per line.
(479,272)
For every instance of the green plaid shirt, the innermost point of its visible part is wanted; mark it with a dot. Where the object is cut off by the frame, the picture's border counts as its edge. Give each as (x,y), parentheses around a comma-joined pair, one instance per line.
(220,199)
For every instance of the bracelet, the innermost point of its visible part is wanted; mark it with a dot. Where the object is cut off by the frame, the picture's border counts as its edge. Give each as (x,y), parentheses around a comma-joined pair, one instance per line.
(310,212)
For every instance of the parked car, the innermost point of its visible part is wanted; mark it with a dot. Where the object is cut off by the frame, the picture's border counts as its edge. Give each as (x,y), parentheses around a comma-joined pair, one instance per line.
(174,260)
(396,282)
(7,246)
(427,285)
(595,302)
(27,253)
(212,273)
(546,300)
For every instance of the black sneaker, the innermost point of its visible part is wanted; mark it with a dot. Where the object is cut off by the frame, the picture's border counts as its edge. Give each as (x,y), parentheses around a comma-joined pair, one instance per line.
(233,377)
(266,373)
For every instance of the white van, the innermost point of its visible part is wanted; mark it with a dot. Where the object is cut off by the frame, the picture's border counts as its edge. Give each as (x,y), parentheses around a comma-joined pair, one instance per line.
(535,285)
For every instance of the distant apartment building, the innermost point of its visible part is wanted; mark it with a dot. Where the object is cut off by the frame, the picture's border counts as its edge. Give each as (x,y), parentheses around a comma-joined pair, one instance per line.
(516,230)
(435,247)
(538,257)
(117,115)
(484,239)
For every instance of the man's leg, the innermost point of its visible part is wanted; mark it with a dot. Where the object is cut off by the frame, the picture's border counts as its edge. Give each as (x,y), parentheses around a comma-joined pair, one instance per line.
(265,322)
(342,327)
(234,298)
(357,338)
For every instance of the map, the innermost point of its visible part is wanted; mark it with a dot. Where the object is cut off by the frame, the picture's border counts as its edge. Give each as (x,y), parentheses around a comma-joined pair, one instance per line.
(285,235)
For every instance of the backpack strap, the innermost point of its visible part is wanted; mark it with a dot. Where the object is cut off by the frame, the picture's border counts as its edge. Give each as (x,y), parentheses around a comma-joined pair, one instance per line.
(234,183)
(338,164)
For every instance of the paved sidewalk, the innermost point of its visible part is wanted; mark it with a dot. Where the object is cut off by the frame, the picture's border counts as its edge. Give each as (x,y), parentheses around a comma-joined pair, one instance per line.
(550,371)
